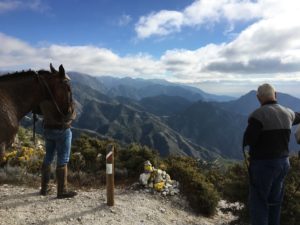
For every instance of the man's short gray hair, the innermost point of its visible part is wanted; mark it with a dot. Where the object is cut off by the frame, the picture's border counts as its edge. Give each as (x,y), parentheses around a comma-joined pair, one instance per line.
(266,91)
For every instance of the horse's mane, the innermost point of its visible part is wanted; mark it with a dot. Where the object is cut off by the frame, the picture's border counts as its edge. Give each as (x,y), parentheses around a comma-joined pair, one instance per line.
(22,74)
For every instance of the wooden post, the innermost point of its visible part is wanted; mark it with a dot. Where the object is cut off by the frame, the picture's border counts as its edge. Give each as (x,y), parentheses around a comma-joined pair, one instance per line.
(110,180)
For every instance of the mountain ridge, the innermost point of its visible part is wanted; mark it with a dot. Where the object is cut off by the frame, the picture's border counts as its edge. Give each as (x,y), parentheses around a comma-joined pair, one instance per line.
(137,88)
(129,125)
(170,124)
(216,126)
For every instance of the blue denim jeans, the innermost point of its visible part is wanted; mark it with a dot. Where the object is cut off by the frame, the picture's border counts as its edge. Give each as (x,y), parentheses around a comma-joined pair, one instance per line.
(57,142)
(266,190)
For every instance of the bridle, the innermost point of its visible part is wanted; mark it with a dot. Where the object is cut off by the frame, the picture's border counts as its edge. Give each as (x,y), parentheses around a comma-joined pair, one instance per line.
(43,83)
(47,90)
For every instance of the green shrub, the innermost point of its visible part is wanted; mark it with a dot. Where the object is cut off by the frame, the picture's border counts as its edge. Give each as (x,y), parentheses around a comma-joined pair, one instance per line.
(132,159)
(235,184)
(200,193)
(30,159)
(234,187)
(89,156)
(291,204)
(92,154)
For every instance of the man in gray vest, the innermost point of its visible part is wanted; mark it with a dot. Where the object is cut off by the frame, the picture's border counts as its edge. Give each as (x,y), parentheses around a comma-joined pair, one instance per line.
(267,135)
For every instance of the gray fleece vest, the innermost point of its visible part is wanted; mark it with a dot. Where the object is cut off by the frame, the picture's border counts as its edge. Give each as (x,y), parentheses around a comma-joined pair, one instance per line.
(276,122)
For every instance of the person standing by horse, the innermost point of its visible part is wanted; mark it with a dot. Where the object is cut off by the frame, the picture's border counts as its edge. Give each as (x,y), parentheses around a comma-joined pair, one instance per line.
(58,136)
(20,93)
(268,134)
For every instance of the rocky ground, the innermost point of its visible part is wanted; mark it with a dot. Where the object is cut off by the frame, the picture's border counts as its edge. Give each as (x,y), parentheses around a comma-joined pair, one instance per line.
(23,205)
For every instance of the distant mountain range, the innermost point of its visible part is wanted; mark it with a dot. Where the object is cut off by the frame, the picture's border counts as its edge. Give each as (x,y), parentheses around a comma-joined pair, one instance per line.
(127,125)
(140,88)
(130,118)
(165,105)
(211,127)
(248,102)
(172,118)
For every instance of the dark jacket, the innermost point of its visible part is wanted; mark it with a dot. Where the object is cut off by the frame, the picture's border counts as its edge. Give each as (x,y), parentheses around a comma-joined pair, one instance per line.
(53,119)
(268,131)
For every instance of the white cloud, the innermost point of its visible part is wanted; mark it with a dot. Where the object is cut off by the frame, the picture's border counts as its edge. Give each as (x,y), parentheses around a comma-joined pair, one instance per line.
(16,54)
(161,23)
(241,10)
(200,12)
(272,39)
(210,12)
(270,46)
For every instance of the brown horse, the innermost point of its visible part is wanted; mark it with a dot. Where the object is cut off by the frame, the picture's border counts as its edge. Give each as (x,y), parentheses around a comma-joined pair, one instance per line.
(21,92)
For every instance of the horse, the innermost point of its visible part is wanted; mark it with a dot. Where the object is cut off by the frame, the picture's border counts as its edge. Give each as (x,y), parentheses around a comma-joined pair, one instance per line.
(21,92)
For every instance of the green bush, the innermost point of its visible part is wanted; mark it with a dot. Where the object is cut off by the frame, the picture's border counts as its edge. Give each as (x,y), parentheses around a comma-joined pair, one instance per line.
(200,193)
(132,159)
(291,204)
(234,187)
(235,184)
(89,155)
(92,154)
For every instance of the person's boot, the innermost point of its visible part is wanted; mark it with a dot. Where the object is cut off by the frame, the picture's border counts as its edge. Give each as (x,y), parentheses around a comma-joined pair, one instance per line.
(45,189)
(61,177)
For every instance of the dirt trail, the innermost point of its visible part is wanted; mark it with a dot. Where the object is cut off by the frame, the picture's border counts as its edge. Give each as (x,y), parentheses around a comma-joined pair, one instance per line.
(23,205)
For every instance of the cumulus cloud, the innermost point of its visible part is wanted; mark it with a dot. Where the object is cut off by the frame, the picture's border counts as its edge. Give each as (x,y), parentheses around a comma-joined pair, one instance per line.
(198,13)
(258,66)
(86,59)
(210,12)
(161,23)
(269,46)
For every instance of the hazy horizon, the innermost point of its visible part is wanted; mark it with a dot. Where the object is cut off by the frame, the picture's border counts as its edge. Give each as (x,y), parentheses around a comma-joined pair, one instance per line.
(237,89)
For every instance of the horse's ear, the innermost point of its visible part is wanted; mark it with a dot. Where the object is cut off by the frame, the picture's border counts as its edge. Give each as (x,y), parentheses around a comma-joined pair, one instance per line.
(63,74)
(62,71)
(53,70)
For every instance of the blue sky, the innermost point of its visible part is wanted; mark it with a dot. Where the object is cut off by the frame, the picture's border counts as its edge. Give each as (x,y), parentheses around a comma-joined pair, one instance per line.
(104,23)
(221,46)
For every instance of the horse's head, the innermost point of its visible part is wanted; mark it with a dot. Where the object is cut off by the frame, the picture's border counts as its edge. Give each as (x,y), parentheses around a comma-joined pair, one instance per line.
(58,90)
